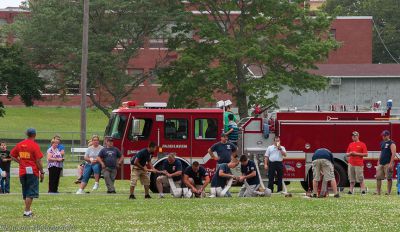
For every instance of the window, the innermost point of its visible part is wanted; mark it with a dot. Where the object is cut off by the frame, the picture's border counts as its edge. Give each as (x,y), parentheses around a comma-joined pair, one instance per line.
(206,128)
(153,78)
(176,129)
(142,130)
(50,77)
(332,33)
(116,126)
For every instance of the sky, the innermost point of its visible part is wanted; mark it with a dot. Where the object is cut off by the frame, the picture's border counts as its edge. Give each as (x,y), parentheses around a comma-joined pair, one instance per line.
(8,3)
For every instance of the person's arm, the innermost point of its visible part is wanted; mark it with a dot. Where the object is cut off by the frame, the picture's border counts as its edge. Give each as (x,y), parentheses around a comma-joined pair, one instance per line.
(211,152)
(348,152)
(14,155)
(206,182)
(187,183)
(137,164)
(229,131)
(86,157)
(283,151)
(100,160)
(266,159)
(251,175)
(225,175)
(39,164)
(393,150)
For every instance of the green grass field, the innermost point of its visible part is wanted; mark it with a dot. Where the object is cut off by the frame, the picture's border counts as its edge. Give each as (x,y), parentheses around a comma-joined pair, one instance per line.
(49,121)
(100,212)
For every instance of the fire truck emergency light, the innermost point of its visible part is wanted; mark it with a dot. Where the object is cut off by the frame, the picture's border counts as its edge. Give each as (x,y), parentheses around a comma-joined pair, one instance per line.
(155,105)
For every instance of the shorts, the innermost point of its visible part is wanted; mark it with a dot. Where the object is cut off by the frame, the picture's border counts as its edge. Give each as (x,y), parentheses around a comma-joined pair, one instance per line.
(30,186)
(165,182)
(326,167)
(89,169)
(383,172)
(137,174)
(356,173)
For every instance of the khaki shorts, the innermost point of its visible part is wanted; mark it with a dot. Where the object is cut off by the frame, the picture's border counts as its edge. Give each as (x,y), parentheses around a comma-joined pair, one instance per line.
(383,172)
(138,174)
(164,181)
(356,173)
(326,167)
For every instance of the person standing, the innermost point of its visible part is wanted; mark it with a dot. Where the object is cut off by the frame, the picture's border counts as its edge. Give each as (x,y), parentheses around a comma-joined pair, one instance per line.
(322,162)
(5,164)
(171,168)
(356,152)
(385,167)
(27,153)
(92,166)
(228,111)
(110,159)
(224,149)
(141,164)
(54,165)
(233,130)
(196,178)
(273,163)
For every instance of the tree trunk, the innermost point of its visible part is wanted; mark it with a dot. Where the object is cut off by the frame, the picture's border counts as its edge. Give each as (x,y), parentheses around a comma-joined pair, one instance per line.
(239,93)
(241,101)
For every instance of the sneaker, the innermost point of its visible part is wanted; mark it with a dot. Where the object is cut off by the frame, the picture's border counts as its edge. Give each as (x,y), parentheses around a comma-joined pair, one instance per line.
(363,193)
(147,196)
(77,182)
(96,186)
(132,196)
(350,192)
(28,215)
(336,195)
(80,191)
(161,195)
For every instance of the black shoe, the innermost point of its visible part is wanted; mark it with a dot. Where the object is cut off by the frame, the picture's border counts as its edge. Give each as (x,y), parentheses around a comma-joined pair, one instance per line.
(147,196)
(336,195)
(363,193)
(108,192)
(350,192)
(131,197)
(113,192)
(314,195)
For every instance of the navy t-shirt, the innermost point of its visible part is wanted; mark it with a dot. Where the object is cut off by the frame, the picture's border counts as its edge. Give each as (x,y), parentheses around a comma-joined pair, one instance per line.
(110,155)
(172,168)
(224,151)
(144,156)
(218,181)
(386,152)
(196,176)
(249,168)
(323,154)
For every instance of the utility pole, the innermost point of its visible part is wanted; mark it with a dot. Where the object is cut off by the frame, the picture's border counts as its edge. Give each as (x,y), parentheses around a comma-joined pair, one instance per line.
(83,84)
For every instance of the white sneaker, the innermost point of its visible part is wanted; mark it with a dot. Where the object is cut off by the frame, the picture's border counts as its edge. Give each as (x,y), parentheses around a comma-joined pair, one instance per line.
(80,191)
(161,195)
(96,186)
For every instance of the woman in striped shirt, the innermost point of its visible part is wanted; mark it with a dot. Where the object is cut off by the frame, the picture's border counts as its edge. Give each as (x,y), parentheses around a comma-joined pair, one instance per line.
(54,165)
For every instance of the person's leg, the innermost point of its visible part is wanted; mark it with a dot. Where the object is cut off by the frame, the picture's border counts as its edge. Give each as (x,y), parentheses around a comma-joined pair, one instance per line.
(271,176)
(51,179)
(57,180)
(316,167)
(107,179)
(379,177)
(351,173)
(389,176)
(28,204)
(159,183)
(113,175)
(87,172)
(7,185)
(279,171)
(378,186)
(96,173)
(144,178)
(134,179)
(334,186)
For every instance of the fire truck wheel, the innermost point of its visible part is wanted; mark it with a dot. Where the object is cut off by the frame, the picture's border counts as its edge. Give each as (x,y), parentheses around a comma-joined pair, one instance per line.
(341,175)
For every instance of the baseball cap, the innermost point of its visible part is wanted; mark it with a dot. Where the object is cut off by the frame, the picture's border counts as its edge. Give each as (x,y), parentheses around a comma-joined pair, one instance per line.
(385,133)
(355,133)
(31,131)
(109,138)
(224,135)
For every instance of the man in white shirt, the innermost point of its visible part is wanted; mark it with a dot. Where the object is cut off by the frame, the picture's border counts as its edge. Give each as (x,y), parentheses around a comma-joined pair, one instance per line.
(273,163)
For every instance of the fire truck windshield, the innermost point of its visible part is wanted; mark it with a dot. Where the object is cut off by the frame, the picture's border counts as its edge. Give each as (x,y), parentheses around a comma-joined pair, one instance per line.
(116,126)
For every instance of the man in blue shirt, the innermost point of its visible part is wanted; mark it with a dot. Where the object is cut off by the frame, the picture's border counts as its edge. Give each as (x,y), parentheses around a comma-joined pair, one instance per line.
(222,180)
(250,178)
(322,162)
(385,167)
(224,149)
(193,178)
(171,174)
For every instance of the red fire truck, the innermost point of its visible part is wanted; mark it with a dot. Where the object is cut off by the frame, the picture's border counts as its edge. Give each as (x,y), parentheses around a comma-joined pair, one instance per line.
(190,132)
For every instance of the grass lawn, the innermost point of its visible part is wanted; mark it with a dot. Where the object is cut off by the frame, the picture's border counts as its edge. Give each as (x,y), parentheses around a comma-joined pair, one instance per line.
(49,121)
(100,212)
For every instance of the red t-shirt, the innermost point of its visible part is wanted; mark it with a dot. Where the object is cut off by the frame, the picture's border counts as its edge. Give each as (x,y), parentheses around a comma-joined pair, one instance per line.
(358,147)
(28,151)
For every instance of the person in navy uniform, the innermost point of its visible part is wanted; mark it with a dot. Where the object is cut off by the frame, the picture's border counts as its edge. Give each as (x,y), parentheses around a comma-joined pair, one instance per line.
(250,177)
(196,178)
(222,179)
(224,149)
(171,168)
(385,167)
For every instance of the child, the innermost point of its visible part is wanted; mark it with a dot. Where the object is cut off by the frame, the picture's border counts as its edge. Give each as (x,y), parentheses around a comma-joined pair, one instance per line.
(5,163)
(233,130)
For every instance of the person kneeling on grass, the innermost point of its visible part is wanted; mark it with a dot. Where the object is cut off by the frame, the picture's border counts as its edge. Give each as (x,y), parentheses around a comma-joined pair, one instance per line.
(322,162)
(92,165)
(222,179)
(251,179)
(171,175)
(110,159)
(193,179)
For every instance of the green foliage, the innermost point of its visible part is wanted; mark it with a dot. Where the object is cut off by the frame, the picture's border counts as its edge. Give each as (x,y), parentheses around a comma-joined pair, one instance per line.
(277,37)
(53,34)
(17,77)
(386,19)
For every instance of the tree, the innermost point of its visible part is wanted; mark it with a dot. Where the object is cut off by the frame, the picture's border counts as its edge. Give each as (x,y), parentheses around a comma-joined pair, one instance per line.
(17,77)
(386,21)
(280,38)
(118,30)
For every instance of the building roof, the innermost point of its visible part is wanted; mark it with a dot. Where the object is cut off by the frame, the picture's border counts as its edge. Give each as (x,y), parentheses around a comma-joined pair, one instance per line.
(13,9)
(358,70)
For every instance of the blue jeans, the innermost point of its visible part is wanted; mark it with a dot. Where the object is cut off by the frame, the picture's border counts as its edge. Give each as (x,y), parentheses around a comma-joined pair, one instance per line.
(89,170)
(5,183)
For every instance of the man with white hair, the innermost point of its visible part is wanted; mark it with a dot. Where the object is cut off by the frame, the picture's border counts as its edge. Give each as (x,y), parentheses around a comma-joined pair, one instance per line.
(222,179)
(171,176)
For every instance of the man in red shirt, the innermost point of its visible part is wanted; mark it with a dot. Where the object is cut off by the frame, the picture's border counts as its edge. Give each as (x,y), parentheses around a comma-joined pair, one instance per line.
(27,153)
(356,152)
